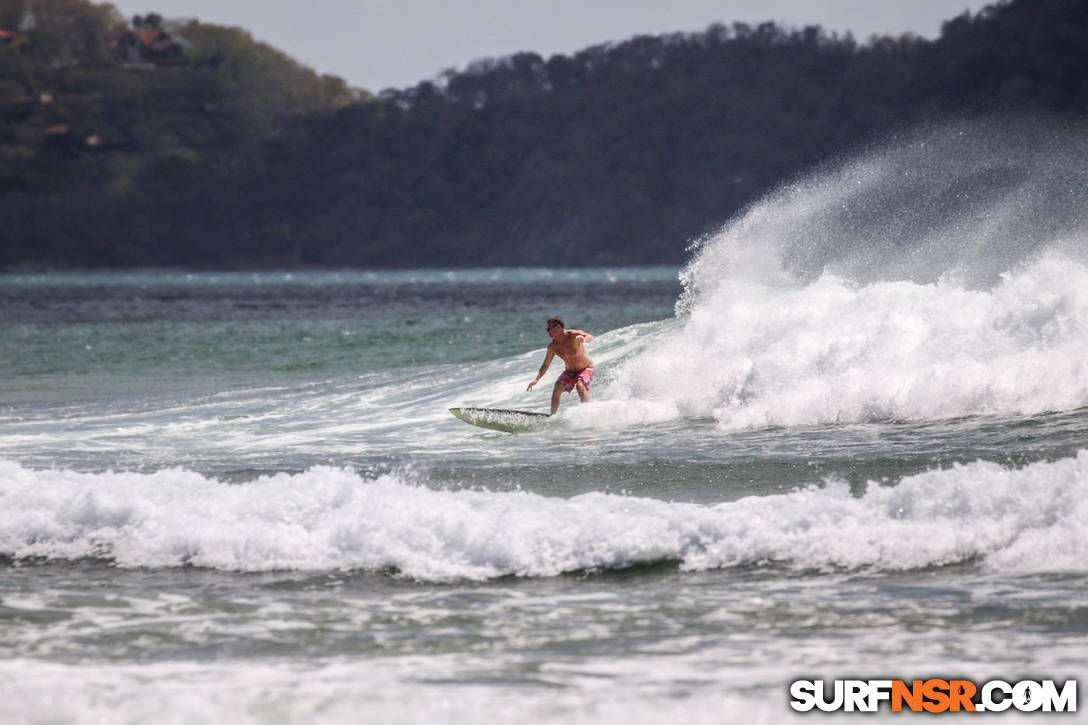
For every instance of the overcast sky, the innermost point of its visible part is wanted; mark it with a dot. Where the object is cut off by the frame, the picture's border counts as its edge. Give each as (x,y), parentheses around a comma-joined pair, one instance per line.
(375,44)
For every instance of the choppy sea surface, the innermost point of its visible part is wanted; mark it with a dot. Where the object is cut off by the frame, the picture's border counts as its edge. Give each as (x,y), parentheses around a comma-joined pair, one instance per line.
(848,439)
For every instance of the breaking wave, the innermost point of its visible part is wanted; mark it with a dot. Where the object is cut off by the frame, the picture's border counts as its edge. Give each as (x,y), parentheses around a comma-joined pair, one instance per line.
(1030,520)
(942,275)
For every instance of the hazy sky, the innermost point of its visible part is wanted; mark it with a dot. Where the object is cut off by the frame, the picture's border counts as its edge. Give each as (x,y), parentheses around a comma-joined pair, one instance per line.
(376,44)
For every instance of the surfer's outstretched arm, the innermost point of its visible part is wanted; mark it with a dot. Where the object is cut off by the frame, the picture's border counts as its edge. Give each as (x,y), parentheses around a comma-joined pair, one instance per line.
(543,368)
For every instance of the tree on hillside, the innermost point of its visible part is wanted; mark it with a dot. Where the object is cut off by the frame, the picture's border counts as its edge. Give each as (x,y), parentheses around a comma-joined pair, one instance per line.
(64,32)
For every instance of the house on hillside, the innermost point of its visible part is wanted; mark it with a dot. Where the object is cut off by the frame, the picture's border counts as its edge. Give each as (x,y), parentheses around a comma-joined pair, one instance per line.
(148,46)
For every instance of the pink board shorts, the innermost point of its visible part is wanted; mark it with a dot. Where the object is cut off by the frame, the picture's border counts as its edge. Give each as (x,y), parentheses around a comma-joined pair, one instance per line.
(569,378)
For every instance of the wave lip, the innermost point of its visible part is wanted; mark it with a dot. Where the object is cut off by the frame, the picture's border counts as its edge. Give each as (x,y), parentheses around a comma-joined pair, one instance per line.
(832,352)
(940,275)
(1024,520)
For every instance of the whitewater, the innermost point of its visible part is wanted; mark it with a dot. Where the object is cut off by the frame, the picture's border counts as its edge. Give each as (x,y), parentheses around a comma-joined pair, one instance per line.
(848,438)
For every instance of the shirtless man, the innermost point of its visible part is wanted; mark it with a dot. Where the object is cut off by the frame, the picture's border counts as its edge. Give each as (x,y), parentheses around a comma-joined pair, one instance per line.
(570,346)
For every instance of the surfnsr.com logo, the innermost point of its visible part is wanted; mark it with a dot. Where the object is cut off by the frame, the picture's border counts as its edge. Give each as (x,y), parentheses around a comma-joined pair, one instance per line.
(933,695)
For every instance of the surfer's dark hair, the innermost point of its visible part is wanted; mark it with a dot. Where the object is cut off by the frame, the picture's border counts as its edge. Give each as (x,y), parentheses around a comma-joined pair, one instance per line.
(556,320)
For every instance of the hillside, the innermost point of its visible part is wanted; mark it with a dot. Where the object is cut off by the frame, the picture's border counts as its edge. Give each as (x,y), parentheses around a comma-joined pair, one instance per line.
(224,152)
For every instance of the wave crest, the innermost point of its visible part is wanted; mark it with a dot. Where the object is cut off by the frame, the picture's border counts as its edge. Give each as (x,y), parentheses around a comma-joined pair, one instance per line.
(942,275)
(1030,519)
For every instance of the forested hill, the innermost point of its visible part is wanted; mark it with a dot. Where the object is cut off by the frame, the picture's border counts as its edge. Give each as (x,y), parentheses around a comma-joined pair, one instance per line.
(175,143)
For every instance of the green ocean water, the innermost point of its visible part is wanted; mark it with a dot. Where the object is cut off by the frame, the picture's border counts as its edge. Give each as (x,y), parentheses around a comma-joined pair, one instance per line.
(85,336)
(240,496)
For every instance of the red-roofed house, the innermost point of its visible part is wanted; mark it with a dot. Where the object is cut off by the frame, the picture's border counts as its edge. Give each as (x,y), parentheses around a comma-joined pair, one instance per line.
(148,46)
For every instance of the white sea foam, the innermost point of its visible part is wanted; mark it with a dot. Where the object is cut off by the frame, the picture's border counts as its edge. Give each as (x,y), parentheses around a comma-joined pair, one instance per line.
(943,276)
(432,689)
(834,352)
(1031,519)
(394,691)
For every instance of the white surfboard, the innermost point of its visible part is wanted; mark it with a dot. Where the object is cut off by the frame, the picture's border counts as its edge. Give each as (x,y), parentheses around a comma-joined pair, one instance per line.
(508,421)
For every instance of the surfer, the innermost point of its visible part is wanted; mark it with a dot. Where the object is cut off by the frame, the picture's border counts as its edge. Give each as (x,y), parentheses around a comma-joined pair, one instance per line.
(570,346)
